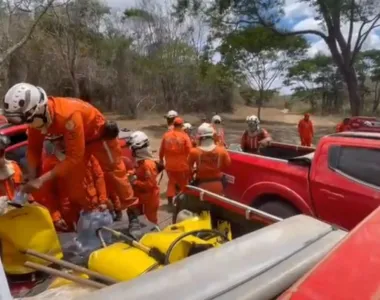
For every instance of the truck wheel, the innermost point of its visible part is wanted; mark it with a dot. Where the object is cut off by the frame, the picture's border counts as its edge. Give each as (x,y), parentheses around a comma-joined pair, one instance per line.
(279,209)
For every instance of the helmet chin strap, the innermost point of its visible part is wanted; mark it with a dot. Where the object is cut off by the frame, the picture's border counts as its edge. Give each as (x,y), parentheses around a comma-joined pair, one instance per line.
(41,120)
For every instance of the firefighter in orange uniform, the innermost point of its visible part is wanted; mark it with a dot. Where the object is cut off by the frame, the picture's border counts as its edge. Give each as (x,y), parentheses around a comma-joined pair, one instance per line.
(254,137)
(10,173)
(144,181)
(216,121)
(170,116)
(187,128)
(65,213)
(343,126)
(175,148)
(209,160)
(306,130)
(85,132)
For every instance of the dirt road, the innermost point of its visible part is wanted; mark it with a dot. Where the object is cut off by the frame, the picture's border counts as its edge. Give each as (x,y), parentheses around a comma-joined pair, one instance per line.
(282,126)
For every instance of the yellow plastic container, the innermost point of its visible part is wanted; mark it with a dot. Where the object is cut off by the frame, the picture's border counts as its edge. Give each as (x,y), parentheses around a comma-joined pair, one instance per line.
(29,227)
(121,262)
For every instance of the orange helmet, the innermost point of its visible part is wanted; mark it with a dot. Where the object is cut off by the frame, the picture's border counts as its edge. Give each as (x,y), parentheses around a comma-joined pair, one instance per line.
(178,121)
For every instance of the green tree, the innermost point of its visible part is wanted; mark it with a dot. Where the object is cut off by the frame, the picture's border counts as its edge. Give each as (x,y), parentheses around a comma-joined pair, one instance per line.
(331,13)
(260,57)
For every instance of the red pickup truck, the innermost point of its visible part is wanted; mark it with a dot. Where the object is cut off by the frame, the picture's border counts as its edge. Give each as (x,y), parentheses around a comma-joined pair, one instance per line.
(338,182)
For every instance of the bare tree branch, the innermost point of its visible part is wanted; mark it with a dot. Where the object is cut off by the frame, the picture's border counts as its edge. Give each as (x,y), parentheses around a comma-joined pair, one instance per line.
(4,56)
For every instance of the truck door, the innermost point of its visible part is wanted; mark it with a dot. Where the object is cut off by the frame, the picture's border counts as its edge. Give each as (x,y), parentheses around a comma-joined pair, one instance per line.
(345,183)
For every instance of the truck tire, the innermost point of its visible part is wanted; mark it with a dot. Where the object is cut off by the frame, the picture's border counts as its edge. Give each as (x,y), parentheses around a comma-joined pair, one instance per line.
(279,209)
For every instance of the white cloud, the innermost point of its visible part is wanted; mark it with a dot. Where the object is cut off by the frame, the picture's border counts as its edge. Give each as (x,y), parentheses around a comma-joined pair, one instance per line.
(121,4)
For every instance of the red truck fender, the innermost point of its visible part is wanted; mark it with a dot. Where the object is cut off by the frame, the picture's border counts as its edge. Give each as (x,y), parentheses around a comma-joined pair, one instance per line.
(254,192)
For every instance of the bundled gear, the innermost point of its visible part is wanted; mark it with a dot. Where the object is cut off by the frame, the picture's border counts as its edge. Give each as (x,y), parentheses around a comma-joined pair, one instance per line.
(209,160)
(254,137)
(144,181)
(175,148)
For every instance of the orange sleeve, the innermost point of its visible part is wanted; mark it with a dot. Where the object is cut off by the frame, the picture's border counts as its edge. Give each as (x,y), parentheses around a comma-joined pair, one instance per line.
(17,176)
(188,145)
(49,191)
(149,181)
(226,159)
(99,182)
(74,145)
(35,145)
(162,148)
(192,158)
(264,134)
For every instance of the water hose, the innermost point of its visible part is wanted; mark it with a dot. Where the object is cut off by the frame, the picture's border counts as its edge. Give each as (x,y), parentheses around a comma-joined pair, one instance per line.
(152,252)
(186,234)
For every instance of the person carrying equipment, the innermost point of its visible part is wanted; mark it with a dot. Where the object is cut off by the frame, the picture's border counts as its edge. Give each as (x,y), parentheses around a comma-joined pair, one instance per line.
(65,213)
(144,181)
(10,173)
(187,128)
(170,116)
(83,128)
(254,137)
(219,137)
(175,148)
(209,160)
(306,130)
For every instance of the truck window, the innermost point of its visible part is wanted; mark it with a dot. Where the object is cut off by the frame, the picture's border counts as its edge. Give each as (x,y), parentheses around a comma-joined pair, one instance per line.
(359,163)
(18,155)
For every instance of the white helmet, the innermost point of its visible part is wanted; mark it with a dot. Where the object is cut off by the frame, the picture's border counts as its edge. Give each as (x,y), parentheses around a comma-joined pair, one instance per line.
(23,101)
(187,126)
(206,130)
(138,140)
(252,120)
(216,119)
(171,114)
(367,123)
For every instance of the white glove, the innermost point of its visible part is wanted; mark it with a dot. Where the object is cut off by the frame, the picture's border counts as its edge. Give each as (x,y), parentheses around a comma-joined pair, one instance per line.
(3,205)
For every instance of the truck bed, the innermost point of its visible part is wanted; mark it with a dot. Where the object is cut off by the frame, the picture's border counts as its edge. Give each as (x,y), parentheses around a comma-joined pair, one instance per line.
(280,150)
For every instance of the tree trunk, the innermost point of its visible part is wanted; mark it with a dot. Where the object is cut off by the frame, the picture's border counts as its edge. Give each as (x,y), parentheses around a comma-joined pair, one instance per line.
(260,103)
(376,101)
(351,81)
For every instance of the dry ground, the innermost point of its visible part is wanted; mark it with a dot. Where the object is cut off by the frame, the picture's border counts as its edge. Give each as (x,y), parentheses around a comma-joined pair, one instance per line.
(282,126)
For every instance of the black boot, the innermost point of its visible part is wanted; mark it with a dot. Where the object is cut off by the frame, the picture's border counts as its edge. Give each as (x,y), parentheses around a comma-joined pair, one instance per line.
(134,227)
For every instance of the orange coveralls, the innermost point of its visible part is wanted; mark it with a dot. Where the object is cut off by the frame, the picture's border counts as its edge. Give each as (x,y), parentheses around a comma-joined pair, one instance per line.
(55,195)
(175,148)
(146,188)
(306,131)
(209,166)
(82,127)
(249,143)
(9,185)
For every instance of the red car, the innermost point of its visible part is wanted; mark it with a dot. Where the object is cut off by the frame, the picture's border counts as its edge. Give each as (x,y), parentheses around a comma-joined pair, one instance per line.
(364,124)
(338,182)
(351,271)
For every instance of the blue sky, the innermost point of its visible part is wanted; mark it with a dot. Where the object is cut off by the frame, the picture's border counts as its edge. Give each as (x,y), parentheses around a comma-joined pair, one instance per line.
(298,16)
